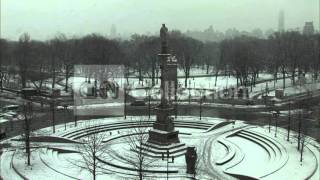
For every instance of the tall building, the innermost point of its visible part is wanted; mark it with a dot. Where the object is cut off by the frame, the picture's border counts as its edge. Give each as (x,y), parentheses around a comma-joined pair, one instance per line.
(281,21)
(308,28)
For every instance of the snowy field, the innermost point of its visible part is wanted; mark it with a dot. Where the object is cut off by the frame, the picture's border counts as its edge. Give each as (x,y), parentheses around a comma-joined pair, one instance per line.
(208,83)
(225,150)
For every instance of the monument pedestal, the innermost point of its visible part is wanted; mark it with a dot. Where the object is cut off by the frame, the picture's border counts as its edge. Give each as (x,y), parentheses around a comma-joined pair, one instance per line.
(160,151)
(163,132)
(163,138)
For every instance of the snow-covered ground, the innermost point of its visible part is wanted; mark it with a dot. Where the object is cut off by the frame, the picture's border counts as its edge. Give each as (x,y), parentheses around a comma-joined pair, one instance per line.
(223,150)
(195,84)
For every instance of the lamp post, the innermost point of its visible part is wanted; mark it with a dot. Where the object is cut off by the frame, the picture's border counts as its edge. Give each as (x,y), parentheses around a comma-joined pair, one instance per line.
(176,105)
(299,130)
(269,123)
(201,101)
(149,100)
(65,106)
(200,107)
(125,102)
(148,94)
(53,113)
(276,115)
(167,159)
(289,121)
(189,95)
(149,105)
(271,112)
(126,90)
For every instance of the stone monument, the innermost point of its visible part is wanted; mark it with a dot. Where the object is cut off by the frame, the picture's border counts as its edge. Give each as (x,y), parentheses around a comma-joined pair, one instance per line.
(163,132)
(163,138)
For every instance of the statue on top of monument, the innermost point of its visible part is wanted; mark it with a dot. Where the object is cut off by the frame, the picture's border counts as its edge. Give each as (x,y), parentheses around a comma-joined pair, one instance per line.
(163,37)
(163,33)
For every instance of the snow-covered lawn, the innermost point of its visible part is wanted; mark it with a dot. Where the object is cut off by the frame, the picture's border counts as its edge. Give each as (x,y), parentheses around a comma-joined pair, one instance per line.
(238,147)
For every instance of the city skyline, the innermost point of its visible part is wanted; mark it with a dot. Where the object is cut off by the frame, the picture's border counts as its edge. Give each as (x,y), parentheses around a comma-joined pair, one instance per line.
(77,18)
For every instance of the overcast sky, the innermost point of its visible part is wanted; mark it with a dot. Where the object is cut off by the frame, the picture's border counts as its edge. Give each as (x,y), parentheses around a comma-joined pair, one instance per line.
(42,19)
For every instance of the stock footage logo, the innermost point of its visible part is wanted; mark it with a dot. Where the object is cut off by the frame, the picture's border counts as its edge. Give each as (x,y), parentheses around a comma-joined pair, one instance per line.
(106,89)
(97,90)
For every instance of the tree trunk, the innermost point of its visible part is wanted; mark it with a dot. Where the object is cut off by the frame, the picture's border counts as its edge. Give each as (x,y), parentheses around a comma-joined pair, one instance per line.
(53,78)
(94,167)
(302,146)
(237,81)
(186,78)
(185,82)
(140,175)
(23,80)
(252,81)
(27,131)
(140,169)
(293,77)
(283,79)
(67,77)
(127,74)
(53,116)
(157,75)
(217,73)
(153,74)
(140,75)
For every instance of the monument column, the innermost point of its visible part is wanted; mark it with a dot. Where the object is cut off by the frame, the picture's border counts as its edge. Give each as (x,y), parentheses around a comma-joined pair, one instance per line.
(163,132)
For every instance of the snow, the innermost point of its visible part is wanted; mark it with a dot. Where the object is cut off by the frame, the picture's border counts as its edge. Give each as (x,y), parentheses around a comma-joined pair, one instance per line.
(253,153)
(2,120)
(6,169)
(236,155)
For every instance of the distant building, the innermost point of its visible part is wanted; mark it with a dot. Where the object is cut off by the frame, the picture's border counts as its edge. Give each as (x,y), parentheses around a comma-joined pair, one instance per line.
(308,28)
(113,31)
(257,33)
(269,32)
(296,29)
(231,33)
(281,21)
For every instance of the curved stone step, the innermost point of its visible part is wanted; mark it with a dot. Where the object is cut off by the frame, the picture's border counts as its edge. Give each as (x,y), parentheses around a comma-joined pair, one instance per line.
(279,156)
(50,160)
(230,154)
(90,130)
(259,143)
(219,125)
(201,125)
(237,159)
(6,166)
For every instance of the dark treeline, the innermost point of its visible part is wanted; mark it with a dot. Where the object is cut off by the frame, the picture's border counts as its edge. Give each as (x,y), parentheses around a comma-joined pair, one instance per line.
(288,54)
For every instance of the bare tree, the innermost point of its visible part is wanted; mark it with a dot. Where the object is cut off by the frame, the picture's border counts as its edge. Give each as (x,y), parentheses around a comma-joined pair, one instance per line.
(136,156)
(27,116)
(68,58)
(91,148)
(3,56)
(304,138)
(187,51)
(37,73)
(57,55)
(22,54)
(304,141)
